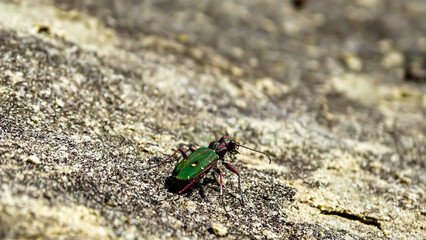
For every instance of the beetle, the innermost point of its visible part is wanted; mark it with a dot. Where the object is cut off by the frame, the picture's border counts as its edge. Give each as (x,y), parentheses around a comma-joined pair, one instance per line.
(195,165)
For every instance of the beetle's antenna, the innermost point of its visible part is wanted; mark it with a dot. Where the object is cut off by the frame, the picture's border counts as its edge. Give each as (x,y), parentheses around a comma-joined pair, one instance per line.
(270,160)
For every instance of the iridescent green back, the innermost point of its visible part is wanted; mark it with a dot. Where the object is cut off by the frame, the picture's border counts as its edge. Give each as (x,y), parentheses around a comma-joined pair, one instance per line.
(196,163)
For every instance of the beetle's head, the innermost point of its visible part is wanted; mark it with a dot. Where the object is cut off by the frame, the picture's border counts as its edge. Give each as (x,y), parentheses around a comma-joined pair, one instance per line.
(231,144)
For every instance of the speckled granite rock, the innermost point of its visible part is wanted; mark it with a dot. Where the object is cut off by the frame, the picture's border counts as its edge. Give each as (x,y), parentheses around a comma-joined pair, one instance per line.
(332,90)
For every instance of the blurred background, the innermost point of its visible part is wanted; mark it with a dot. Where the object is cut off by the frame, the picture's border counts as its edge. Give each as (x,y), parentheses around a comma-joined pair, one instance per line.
(333,90)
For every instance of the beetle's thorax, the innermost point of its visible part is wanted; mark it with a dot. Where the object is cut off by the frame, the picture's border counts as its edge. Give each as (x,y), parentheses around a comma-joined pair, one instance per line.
(224,145)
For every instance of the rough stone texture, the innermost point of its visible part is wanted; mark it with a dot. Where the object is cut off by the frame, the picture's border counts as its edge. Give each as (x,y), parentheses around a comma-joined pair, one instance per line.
(334,91)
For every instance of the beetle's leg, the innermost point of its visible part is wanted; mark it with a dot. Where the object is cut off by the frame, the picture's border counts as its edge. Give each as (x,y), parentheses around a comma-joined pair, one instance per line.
(185,154)
(234,170)
(157,165)
(221,190)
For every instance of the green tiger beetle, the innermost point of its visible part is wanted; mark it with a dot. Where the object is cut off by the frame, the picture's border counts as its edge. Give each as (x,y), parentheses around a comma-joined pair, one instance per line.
(193,167)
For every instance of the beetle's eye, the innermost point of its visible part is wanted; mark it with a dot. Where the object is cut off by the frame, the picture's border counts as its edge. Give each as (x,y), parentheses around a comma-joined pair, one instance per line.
(231,145)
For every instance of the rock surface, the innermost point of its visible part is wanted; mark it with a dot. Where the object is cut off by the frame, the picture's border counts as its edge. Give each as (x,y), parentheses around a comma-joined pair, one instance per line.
(332,90)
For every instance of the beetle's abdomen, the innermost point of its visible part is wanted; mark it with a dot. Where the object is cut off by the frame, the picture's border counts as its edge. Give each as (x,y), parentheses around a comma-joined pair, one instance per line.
(197,162)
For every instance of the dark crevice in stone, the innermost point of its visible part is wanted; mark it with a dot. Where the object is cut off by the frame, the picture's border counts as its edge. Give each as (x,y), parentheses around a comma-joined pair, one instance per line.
(345,214)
